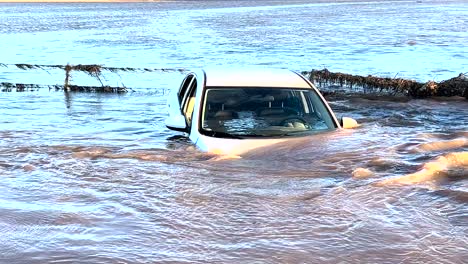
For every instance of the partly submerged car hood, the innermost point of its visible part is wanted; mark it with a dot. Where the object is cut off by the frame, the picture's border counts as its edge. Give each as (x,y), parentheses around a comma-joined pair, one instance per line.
(228,146)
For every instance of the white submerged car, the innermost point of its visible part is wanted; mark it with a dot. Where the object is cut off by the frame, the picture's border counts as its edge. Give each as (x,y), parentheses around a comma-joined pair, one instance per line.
(234,111)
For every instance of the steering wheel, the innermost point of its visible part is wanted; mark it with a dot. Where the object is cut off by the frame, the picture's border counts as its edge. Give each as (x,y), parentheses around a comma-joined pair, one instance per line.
(295,119)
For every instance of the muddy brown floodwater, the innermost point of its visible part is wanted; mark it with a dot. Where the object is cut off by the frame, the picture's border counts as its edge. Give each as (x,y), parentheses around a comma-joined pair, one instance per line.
(85,180)
(97,178)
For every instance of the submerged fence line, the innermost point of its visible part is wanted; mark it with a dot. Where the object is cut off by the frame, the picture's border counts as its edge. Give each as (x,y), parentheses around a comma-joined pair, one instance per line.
(93,70)
(326,80)
(88,68)
(24,87)
(29,87)
(457,86)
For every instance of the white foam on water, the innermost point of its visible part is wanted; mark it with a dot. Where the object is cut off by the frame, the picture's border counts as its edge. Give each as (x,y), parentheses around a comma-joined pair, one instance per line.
(362,173)
(439,168)
(442,145)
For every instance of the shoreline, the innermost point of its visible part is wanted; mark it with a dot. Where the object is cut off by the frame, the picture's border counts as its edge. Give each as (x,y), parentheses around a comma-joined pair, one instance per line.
(149,1)
(81,1)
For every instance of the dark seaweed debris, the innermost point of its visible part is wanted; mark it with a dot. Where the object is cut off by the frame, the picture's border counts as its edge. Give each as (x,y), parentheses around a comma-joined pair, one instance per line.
(22,87)
(457,86)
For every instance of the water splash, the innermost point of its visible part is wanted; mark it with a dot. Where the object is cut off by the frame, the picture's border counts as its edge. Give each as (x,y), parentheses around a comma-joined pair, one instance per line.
(441,167)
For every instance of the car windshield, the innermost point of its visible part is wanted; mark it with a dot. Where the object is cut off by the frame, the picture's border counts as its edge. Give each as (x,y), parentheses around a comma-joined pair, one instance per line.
(263,112)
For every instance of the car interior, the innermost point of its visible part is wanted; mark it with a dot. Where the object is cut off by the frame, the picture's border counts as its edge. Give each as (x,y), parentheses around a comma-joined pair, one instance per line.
(243,110)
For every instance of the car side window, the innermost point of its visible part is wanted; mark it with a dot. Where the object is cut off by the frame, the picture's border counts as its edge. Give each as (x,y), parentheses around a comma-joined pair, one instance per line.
(188,99)
(184,87)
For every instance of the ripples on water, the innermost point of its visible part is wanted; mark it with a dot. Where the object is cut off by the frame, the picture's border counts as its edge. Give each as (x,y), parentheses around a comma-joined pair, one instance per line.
(424,40)
(97,178)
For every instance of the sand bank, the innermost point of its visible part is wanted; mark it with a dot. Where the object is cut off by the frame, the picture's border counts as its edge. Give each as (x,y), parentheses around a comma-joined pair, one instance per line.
(74,1)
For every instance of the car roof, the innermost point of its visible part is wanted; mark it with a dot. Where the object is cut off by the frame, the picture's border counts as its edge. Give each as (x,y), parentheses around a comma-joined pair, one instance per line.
(254,77)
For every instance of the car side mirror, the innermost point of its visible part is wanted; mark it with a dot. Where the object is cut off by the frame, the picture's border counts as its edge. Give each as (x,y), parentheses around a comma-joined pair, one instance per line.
(176,122)
(347,123)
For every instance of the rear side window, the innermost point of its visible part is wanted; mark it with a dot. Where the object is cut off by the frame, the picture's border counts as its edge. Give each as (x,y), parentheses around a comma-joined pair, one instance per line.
(187,98)
(186,84)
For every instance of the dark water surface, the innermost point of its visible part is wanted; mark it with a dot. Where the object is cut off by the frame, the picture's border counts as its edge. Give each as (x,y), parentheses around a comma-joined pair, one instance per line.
(97,178)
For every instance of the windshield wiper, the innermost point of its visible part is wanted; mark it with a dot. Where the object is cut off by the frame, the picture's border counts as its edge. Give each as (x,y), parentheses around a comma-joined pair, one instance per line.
(257,135)
(221,134)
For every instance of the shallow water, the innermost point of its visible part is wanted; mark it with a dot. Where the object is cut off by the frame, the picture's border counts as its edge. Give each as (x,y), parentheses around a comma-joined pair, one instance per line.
(91,178)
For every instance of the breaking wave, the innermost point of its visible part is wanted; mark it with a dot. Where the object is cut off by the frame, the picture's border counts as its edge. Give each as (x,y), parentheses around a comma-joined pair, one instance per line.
(453,164)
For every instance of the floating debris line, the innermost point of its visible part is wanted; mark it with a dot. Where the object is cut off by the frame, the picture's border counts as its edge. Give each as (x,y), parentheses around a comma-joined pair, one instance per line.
(457,86)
